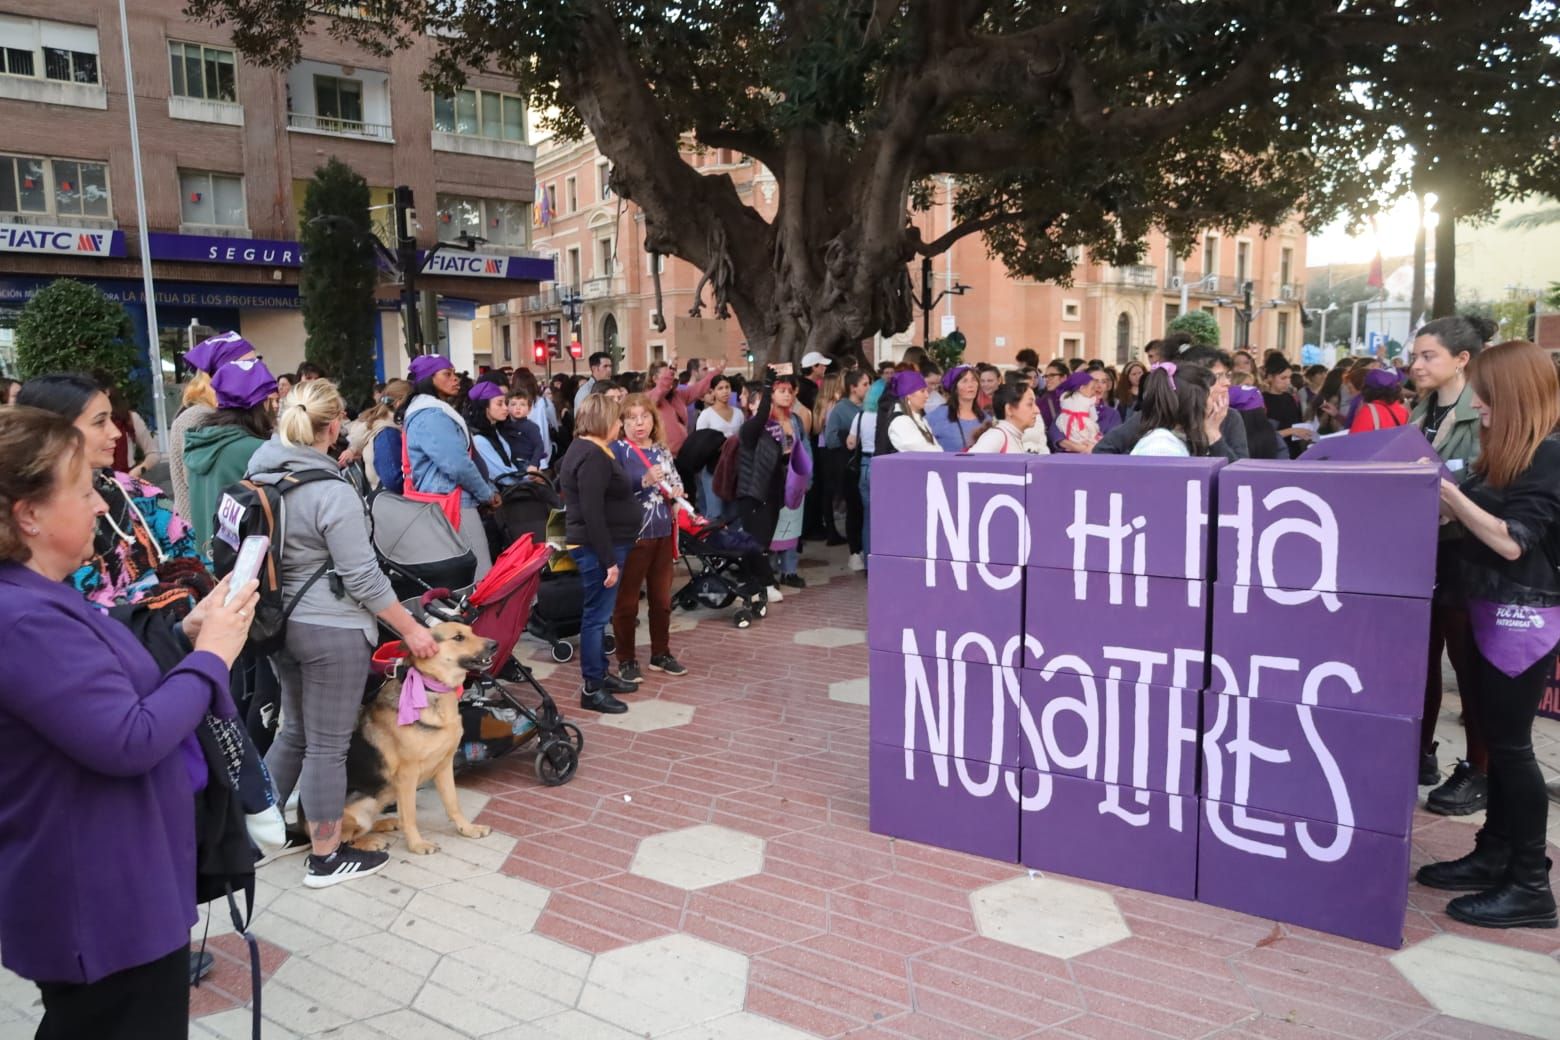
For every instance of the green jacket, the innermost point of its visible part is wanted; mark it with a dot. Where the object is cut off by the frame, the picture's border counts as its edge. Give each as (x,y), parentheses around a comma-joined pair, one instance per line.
(1457,442)
(214,457)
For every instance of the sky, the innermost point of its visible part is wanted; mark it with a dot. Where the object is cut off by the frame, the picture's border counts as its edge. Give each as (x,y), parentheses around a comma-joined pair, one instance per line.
(1394,236)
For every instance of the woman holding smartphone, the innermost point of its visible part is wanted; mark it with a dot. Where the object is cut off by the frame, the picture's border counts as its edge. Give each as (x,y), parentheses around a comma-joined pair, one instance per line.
(1509,508)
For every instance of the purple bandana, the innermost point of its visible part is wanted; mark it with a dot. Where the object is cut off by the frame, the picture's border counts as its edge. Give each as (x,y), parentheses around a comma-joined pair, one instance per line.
(1513,638)
(425,366)
(955,374)
(1082,377)
(485,392)
(906,383)
(1246,399)
(414,695)
(240,385)
(211,354)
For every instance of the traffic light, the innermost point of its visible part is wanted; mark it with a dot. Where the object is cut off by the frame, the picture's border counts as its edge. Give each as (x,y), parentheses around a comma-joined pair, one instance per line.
(539,351)
(553,346)
(575,350)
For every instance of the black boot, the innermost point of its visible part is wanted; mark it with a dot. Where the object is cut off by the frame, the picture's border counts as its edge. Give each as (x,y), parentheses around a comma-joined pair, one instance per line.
(599,699)
(1482,869)
(1524,900)
(1429,768)
(1466,791)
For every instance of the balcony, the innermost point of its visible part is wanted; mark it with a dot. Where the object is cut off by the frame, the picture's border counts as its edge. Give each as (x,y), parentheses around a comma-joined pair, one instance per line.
(1136,276)
(602,287)
(542,302)
(312,124)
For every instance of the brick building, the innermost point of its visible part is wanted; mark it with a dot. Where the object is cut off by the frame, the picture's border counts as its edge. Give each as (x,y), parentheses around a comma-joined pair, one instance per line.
(1107,312)
(227,150)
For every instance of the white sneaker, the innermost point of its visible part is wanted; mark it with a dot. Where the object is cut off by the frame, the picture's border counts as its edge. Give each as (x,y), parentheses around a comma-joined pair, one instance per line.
(774,594)
(857,563)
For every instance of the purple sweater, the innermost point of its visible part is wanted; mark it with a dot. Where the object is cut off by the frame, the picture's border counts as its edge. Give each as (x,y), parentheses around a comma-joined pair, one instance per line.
(97,828)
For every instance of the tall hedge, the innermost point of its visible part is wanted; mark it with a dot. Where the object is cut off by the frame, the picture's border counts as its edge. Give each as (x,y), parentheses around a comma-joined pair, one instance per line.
(337,280)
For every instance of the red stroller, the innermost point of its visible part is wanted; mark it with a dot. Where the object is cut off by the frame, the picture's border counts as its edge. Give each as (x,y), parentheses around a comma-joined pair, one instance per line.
(497,718)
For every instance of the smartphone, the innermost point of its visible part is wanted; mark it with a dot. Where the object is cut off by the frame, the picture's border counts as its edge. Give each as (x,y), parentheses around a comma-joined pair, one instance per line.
(251,557)
(785,369)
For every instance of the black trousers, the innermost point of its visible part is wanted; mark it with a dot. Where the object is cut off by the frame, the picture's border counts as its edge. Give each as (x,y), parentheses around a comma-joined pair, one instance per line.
(147,1002)
(1518,805)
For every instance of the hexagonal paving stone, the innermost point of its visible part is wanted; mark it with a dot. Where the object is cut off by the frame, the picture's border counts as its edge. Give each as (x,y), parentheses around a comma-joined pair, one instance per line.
(1057,918)
(658,987)
(644,716)
(1484,983)
(830,637)
(850,691)
(698,857)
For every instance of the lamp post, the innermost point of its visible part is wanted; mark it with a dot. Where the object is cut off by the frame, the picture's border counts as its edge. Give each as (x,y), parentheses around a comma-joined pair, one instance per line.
(928,301)
(570,300)
(1246,312)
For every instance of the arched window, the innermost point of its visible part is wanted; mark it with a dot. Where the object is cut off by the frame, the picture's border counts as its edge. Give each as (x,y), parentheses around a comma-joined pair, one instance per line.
(1123,338)
(609,336)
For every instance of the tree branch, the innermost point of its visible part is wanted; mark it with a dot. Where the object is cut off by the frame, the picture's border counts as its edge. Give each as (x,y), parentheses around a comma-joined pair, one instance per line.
(944,242)
(973,153)
(759,144)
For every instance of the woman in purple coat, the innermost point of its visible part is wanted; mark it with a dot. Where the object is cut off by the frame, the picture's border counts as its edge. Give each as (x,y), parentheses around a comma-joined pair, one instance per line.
(97,754)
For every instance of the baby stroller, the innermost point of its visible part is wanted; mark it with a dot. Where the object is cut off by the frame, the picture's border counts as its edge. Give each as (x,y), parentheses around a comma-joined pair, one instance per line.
(503,707)
(560,601)
(526,507)
(424,549)
(721,570)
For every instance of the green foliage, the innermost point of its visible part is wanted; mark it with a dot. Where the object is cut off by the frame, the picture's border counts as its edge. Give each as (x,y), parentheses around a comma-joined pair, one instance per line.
(337,281)
(70,326)
(948,351)
(1200,325)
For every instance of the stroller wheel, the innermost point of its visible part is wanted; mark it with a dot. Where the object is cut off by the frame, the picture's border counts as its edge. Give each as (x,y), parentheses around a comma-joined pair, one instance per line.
(562,651)
(742,619)
(576,738)
(556,761)
(688,601)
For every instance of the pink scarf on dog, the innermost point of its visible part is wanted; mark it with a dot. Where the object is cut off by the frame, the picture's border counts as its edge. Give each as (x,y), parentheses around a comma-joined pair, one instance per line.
(414,695)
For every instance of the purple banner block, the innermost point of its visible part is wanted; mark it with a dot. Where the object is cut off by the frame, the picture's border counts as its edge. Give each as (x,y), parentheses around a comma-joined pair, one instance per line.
(940,608)
(1368,655)
(1101,832)
(1350,882)
(911,799)
(935,506)
(1132,623)
(1116,514)
(947,708)
(1325,527)
(1393,444)
(1114,731)
(1340,767)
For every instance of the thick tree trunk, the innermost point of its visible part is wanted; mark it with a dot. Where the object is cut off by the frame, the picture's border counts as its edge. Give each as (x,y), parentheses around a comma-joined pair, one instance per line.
(1416,299)
(1445,301)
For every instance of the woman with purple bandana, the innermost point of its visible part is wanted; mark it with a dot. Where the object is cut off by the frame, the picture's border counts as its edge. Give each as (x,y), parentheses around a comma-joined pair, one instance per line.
(907,427)
(1509,508)
(217,453)
(439,447)
(204,358)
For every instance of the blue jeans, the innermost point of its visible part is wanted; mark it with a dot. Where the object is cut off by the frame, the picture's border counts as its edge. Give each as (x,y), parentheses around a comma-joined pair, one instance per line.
(596,613)
(788,560)
(866,504)
(711,506)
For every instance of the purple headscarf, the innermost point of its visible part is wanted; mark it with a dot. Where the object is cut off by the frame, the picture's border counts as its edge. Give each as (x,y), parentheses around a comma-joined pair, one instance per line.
(1078,379)
(211,354)
(1382,378)
(1246,399)
(485,391)
(425,366)
(906,383)
(240,385)
(953,375)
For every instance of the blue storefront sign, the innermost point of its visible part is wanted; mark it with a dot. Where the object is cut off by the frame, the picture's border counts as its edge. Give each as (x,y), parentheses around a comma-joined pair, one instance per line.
(60,241)
(214,249)
(18,291)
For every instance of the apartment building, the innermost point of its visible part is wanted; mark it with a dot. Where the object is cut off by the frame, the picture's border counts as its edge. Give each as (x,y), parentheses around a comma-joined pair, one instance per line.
(228,149)
(1107,312)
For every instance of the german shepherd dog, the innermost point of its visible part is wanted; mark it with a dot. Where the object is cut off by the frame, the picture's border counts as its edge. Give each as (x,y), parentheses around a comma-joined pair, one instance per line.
(386,761)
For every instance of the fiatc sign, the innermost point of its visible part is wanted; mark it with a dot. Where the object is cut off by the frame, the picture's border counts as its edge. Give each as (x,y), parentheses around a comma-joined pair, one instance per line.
(61,241)
(482,265)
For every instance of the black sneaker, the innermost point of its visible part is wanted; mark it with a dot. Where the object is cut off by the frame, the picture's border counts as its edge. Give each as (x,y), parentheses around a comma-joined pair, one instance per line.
(613,684)
(629,672)
(1466,791)
(666,663)
(793,581)
(296,842)
(602,701)
(345,864)
(1429,768)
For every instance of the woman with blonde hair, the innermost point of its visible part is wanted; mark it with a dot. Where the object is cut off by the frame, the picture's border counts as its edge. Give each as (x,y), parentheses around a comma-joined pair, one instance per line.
(382,436)
(333,590)
(199,403)
(1509,508)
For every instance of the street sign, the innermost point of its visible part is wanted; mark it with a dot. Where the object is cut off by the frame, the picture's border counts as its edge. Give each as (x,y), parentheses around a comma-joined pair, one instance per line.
(1375,342)
(948,324)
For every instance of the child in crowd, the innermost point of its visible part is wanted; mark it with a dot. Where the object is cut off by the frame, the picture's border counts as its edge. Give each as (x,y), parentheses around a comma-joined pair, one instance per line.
(1078,421)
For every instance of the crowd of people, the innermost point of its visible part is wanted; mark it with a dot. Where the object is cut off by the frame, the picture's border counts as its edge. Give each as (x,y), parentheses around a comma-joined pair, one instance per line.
(87,546)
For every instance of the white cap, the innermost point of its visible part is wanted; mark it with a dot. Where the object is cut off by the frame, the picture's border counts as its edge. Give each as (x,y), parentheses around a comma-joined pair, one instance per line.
(812,358)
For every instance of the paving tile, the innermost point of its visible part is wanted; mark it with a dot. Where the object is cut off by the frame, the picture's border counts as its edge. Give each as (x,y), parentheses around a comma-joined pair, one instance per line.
(665,984)
(572,1025)
(741,1026)
(1057,918)
(849,691)
(830,637)
(411,1025)
(646,716)
(1486,983)
(698,857)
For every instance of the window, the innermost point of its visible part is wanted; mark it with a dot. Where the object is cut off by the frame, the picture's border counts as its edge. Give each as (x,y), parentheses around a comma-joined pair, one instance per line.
(1286,264)
(338,103)
(504,333)
(604,257)
(1072,310)
(1242,263)
(655,261)
(64,187)
(480,113)
(498,221)
(1172,312)
(1072,346)
(574,268)
(603,179)
(202,72)
(1283,332)
(1210,257)
(1123,338)
(56,50)
(215,199)
(572,190)
(1173,262)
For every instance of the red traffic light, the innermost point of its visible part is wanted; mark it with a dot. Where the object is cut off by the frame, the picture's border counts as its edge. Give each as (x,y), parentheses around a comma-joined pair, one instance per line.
(575,350)
(539,351)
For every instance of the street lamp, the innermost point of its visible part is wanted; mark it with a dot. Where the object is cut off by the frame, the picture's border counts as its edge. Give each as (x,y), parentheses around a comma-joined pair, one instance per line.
(570,300)
(928,301)
(1320,313)
(1246,312)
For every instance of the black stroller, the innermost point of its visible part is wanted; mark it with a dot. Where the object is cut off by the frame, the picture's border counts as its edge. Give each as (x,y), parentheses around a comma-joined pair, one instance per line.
(722,561)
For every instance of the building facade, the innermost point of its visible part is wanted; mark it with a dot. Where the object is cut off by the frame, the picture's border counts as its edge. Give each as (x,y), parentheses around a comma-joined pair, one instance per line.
(1107,312)
(227,150)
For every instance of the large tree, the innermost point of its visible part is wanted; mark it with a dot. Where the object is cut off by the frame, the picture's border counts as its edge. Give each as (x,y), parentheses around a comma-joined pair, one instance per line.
(1077,123)
(337,281)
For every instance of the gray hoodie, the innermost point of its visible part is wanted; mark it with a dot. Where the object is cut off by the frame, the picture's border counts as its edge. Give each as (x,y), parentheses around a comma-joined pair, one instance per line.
(324,520)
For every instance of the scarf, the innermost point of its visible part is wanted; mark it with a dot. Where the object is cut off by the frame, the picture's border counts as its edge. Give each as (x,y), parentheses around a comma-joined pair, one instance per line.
(414,695)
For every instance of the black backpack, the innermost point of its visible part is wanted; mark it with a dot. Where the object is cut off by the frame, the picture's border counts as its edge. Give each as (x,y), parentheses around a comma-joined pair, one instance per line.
(249,508)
